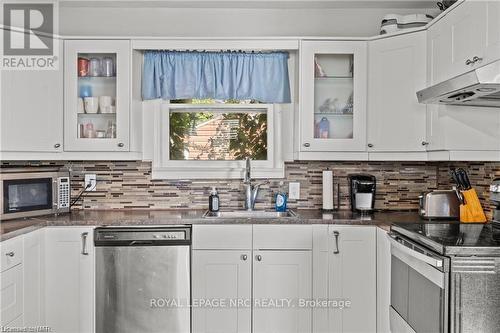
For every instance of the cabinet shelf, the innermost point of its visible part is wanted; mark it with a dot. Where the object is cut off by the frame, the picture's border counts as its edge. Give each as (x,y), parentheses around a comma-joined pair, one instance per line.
(100,115)
(96,77)
(333,114)
(333,77)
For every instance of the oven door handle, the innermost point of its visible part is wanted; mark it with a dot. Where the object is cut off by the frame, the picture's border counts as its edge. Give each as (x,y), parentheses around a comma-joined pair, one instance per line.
(436,263)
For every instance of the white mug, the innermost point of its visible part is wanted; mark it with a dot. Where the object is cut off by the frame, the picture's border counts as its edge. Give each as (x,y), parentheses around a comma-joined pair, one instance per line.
(104,103)
(80,108)
(91,104)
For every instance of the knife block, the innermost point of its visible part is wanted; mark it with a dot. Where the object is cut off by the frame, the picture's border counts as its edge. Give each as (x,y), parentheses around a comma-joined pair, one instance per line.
(471,211)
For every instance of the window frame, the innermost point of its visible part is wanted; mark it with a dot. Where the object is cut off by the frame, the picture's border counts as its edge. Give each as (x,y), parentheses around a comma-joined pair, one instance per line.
(164,168)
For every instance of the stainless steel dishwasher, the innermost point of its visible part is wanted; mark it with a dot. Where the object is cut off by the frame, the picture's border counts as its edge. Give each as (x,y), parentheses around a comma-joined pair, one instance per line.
(143,279)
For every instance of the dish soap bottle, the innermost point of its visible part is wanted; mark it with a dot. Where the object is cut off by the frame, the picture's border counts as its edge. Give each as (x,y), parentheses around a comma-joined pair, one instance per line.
(213,201)
(280,199)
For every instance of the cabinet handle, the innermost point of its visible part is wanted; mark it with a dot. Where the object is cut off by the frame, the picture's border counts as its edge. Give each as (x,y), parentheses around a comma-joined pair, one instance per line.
(10,254)
(258,257)
(370,145)
(476,59)
(307,144)
(468,62)
(57,145)
(336,235)
(244,257)
(84,243)
(425,143)
(120,144)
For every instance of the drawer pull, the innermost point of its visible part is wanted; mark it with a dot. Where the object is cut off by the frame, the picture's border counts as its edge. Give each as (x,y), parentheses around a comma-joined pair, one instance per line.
(10,254)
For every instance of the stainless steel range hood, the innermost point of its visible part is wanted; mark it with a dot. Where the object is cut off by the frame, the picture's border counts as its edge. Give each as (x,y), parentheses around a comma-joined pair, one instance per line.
(479,87)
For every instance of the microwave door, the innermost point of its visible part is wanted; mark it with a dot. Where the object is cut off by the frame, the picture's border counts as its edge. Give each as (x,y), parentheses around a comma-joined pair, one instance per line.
(27,197)
(419,288)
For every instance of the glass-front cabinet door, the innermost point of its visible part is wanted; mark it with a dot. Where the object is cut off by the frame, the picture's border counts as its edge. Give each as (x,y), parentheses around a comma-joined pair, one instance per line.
(96,91)
(333,96)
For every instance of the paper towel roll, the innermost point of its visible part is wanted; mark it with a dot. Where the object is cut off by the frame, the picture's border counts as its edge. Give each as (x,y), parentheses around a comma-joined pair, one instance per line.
(328,189)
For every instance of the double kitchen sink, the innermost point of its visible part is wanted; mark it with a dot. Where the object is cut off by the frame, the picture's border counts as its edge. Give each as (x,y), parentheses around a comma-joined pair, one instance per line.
(249,214)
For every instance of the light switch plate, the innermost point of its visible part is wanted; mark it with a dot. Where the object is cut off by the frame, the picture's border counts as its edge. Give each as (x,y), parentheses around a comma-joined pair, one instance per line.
(91,181)
(294,190)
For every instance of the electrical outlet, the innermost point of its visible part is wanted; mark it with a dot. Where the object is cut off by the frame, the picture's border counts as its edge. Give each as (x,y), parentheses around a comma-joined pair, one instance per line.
(294,191)
(90,181)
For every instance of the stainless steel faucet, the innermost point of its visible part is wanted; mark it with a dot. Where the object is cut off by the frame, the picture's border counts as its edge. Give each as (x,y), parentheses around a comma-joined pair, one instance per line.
(251,191)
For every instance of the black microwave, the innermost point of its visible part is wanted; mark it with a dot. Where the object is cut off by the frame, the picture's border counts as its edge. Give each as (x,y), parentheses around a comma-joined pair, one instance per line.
(33,192)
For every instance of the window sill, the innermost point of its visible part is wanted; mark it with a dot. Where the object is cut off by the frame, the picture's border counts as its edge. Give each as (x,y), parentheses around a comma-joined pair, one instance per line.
(178,173)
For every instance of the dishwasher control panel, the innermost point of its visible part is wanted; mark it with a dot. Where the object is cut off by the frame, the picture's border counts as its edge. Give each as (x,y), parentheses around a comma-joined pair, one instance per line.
(138,236)
(170,235)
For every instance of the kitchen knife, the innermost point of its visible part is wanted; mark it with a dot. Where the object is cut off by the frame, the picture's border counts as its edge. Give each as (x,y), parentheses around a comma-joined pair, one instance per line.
(464,179)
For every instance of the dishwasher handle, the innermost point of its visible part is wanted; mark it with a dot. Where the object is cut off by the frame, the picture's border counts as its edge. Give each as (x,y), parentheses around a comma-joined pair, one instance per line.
(141,242)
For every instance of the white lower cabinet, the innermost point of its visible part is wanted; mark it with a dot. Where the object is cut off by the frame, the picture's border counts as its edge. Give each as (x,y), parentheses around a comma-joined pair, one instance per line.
(383,281)
(259,283)
(352,278)
(69,267)
(11,294)
(221,275)
(11,281)
(344,273)
(282,277)
(33,278)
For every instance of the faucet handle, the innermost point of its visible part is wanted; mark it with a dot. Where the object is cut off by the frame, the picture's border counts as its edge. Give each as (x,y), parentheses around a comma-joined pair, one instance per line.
(265,182)
(247,178)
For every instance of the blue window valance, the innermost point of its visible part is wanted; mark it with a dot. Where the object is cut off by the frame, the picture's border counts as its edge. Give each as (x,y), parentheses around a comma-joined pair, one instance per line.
(219,75)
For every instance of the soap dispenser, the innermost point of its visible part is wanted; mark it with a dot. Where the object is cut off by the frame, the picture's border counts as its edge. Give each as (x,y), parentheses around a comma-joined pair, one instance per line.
(213,200)
(281,199)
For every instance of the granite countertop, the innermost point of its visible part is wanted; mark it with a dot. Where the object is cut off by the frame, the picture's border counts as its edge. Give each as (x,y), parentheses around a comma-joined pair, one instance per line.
(12,228)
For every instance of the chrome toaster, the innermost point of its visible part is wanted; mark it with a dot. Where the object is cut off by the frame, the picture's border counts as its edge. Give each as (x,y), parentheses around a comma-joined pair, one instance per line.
(440,204)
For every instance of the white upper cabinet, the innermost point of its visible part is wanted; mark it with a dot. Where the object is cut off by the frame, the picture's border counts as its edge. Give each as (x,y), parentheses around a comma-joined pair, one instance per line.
(31,114)
(397,70)
(492,51)
(438,52)
(97,95)
(468,36)
(332,116)
(465,38)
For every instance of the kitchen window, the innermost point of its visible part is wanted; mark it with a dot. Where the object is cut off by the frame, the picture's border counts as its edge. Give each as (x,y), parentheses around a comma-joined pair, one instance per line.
(202,130)
(211,139)
(215,109)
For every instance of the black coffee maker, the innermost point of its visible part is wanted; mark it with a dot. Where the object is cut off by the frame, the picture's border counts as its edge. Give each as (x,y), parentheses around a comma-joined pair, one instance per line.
(362,192)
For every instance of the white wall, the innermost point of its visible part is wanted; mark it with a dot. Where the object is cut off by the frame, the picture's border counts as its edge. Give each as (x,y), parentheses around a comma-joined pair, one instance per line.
(224,22)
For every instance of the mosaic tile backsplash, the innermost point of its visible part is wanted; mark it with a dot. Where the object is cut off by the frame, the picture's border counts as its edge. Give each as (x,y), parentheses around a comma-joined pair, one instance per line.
(128,184)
